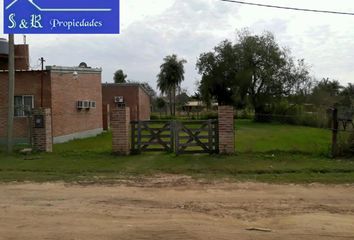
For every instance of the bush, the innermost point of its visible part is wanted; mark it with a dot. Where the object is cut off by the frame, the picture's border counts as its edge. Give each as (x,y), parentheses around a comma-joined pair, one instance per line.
(208,115)
(318,119)
(345,144)
(246,113)
(154,117)
(294,114)
(157,116)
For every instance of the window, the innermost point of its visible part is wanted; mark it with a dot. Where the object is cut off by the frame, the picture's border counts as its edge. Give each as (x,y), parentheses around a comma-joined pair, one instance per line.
(92,104)
(86,104)
(23,105)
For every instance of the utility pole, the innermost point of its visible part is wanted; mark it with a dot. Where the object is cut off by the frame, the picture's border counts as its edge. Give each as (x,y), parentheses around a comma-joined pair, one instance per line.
(42,80)
(42,63)
(10,117)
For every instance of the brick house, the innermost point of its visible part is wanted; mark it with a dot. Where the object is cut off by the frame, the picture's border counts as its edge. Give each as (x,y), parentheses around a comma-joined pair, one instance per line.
(73,94)
(134,96)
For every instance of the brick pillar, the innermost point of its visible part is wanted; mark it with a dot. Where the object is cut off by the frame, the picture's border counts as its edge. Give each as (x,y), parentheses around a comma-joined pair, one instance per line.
(226,130)
(42,130)
(120,123)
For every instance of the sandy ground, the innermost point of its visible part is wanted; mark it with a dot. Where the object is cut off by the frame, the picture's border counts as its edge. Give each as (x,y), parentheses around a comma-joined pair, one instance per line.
(171,207)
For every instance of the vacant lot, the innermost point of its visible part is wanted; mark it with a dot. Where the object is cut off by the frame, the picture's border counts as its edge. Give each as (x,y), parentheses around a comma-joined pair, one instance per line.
(265,152)
(176,207)
(265,137)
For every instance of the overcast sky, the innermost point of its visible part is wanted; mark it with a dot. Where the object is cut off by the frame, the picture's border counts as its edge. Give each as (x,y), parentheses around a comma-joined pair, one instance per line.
(152,29)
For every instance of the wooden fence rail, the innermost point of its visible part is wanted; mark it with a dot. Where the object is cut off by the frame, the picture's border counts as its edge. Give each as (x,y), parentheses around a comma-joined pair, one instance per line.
(174,136)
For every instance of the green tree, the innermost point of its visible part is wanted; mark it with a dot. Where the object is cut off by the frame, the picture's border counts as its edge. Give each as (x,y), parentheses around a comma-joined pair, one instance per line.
(347,94)
(255,67)
(170,77)
(196,96)
(182,99)
(348,90)
(160,104)
(221,75)
(327,92)
(333,88)
(119,76)
(272,72)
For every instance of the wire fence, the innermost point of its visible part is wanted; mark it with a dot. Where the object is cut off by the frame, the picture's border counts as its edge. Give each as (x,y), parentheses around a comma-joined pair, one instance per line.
(337,120)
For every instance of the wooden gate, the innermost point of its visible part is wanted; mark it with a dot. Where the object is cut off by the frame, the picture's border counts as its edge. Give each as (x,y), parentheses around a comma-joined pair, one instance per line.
(175,136)
(196,137)
(152,136)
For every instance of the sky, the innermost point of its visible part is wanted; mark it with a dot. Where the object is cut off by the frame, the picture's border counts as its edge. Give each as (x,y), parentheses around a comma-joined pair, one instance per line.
(153,29)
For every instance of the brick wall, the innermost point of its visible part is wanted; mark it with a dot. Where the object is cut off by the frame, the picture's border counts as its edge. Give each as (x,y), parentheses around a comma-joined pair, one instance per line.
(27,83)
(134,97)
(226,130)
(42,137)
(66,91)
(120,123)
(144,105)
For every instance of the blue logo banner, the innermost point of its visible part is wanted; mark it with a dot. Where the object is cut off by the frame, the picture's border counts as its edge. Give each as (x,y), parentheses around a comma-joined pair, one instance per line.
(61,17)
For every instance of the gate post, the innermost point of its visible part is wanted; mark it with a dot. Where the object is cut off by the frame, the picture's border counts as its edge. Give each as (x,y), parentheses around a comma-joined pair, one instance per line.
(226,129)
(120,130)
(42,130)
(175,128)
(334,126)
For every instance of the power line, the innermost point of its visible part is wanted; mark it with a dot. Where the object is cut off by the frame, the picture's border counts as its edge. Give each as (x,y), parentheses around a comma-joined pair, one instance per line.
(288,8)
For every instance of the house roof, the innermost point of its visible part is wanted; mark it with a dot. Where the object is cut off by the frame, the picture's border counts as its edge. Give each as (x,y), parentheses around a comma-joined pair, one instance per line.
(70,69)
(197,104)
(194,104)
(19,70)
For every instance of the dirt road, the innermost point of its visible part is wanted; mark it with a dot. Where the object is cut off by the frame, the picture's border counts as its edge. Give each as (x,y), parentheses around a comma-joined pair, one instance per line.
(172,207)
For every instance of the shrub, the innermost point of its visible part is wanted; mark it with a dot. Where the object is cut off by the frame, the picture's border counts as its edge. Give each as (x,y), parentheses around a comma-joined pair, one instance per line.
(208,115)
(246,113)
(294,114)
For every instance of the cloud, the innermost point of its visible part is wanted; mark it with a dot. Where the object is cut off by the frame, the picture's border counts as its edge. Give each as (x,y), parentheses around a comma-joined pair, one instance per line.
(151,30)
(186,28)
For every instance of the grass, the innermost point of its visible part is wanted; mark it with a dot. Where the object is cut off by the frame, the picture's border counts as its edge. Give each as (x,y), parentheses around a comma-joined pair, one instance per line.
(265,152)
(260,137)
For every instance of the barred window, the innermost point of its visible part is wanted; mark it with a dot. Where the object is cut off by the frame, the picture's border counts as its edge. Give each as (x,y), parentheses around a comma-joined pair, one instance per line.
(23,105)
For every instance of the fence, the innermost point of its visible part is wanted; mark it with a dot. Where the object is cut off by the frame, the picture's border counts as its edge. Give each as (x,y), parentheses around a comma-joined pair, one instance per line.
(338,120)
(175,136)
(342,128)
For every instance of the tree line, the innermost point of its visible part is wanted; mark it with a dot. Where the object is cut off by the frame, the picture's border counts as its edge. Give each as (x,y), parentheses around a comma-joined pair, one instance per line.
(252,71)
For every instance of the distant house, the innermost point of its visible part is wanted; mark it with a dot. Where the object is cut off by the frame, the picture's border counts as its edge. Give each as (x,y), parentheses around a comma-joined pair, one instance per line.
(197,106)
(72,93)
(133,95)
(193,106)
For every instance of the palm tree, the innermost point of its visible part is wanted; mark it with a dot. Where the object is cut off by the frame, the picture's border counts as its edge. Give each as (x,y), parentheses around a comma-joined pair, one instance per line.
(170,77)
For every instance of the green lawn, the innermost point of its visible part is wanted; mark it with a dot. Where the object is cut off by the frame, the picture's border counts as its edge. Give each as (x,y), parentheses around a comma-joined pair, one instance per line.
(265,152)
(260,137)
